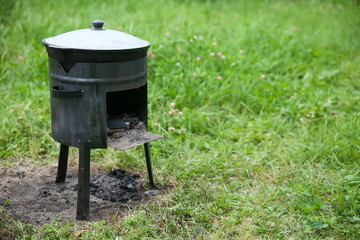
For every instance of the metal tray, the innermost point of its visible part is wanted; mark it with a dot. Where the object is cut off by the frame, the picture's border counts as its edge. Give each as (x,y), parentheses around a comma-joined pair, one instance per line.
(132,139)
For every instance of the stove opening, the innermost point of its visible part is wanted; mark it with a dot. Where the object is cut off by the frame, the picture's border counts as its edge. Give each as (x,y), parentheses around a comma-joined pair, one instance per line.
(127,119)
(126,110)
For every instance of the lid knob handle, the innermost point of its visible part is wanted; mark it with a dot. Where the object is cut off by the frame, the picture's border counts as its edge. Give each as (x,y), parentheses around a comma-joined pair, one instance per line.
(98,25)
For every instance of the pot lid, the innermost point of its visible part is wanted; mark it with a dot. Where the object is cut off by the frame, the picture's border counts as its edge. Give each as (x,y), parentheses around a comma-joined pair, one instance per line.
(96,38)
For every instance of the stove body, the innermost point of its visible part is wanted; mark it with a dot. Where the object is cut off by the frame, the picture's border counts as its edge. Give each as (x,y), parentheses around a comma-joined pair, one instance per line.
(98,88)
(91,95)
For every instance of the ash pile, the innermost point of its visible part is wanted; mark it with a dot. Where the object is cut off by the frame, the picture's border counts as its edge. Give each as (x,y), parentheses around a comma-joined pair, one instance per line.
(127,123)
(117,186)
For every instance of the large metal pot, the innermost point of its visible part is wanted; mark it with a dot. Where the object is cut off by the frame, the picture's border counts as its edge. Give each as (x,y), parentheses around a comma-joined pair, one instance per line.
(84,66)
(97,77)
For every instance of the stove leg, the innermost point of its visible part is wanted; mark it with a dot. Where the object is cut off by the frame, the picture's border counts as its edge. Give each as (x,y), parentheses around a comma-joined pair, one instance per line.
(148,164)
(83,199)
(63,162)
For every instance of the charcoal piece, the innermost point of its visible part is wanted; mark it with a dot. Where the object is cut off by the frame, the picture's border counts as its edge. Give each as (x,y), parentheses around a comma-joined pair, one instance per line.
(130,186)
(105,197)
(132,122)
(93,185)
(135,175)
(119,173)
(136,197)
(44,193)
(123,199)
(127,179)
(116,123)
(122,123)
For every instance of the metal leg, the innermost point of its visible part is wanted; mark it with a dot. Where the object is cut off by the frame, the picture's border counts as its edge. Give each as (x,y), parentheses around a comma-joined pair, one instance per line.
(63,162)
(148,164)
(83,200)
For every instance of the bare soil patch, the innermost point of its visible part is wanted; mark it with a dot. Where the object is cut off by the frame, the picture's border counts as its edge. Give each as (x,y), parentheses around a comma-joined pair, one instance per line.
(35,198)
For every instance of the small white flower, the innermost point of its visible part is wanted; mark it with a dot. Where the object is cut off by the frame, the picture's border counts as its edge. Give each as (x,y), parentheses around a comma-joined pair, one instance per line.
(198,59)
(214,44)
(219,78)
(262,76)
(241,51)
(180,113)
(167,34)
(177,64)
(171,129)
(212,54)
(172,104)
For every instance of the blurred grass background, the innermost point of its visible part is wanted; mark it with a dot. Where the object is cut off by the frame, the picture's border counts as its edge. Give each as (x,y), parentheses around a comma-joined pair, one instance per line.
(268,146)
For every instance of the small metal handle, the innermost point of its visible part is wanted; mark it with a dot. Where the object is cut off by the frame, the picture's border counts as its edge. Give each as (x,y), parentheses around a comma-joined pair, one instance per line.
(60,92)
(98,25)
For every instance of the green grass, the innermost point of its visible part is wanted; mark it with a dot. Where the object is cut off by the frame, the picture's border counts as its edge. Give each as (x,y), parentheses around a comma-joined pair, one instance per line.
(270,151)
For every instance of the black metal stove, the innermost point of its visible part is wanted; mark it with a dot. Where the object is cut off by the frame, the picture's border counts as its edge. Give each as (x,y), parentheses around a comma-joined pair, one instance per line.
(98,84)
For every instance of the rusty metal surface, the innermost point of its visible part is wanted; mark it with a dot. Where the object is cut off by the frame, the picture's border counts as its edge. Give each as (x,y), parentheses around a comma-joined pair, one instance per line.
(84,117)
(113,76)
(132,139)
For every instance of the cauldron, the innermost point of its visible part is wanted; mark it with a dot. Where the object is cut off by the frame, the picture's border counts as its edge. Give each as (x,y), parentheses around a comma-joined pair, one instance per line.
(98,87)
